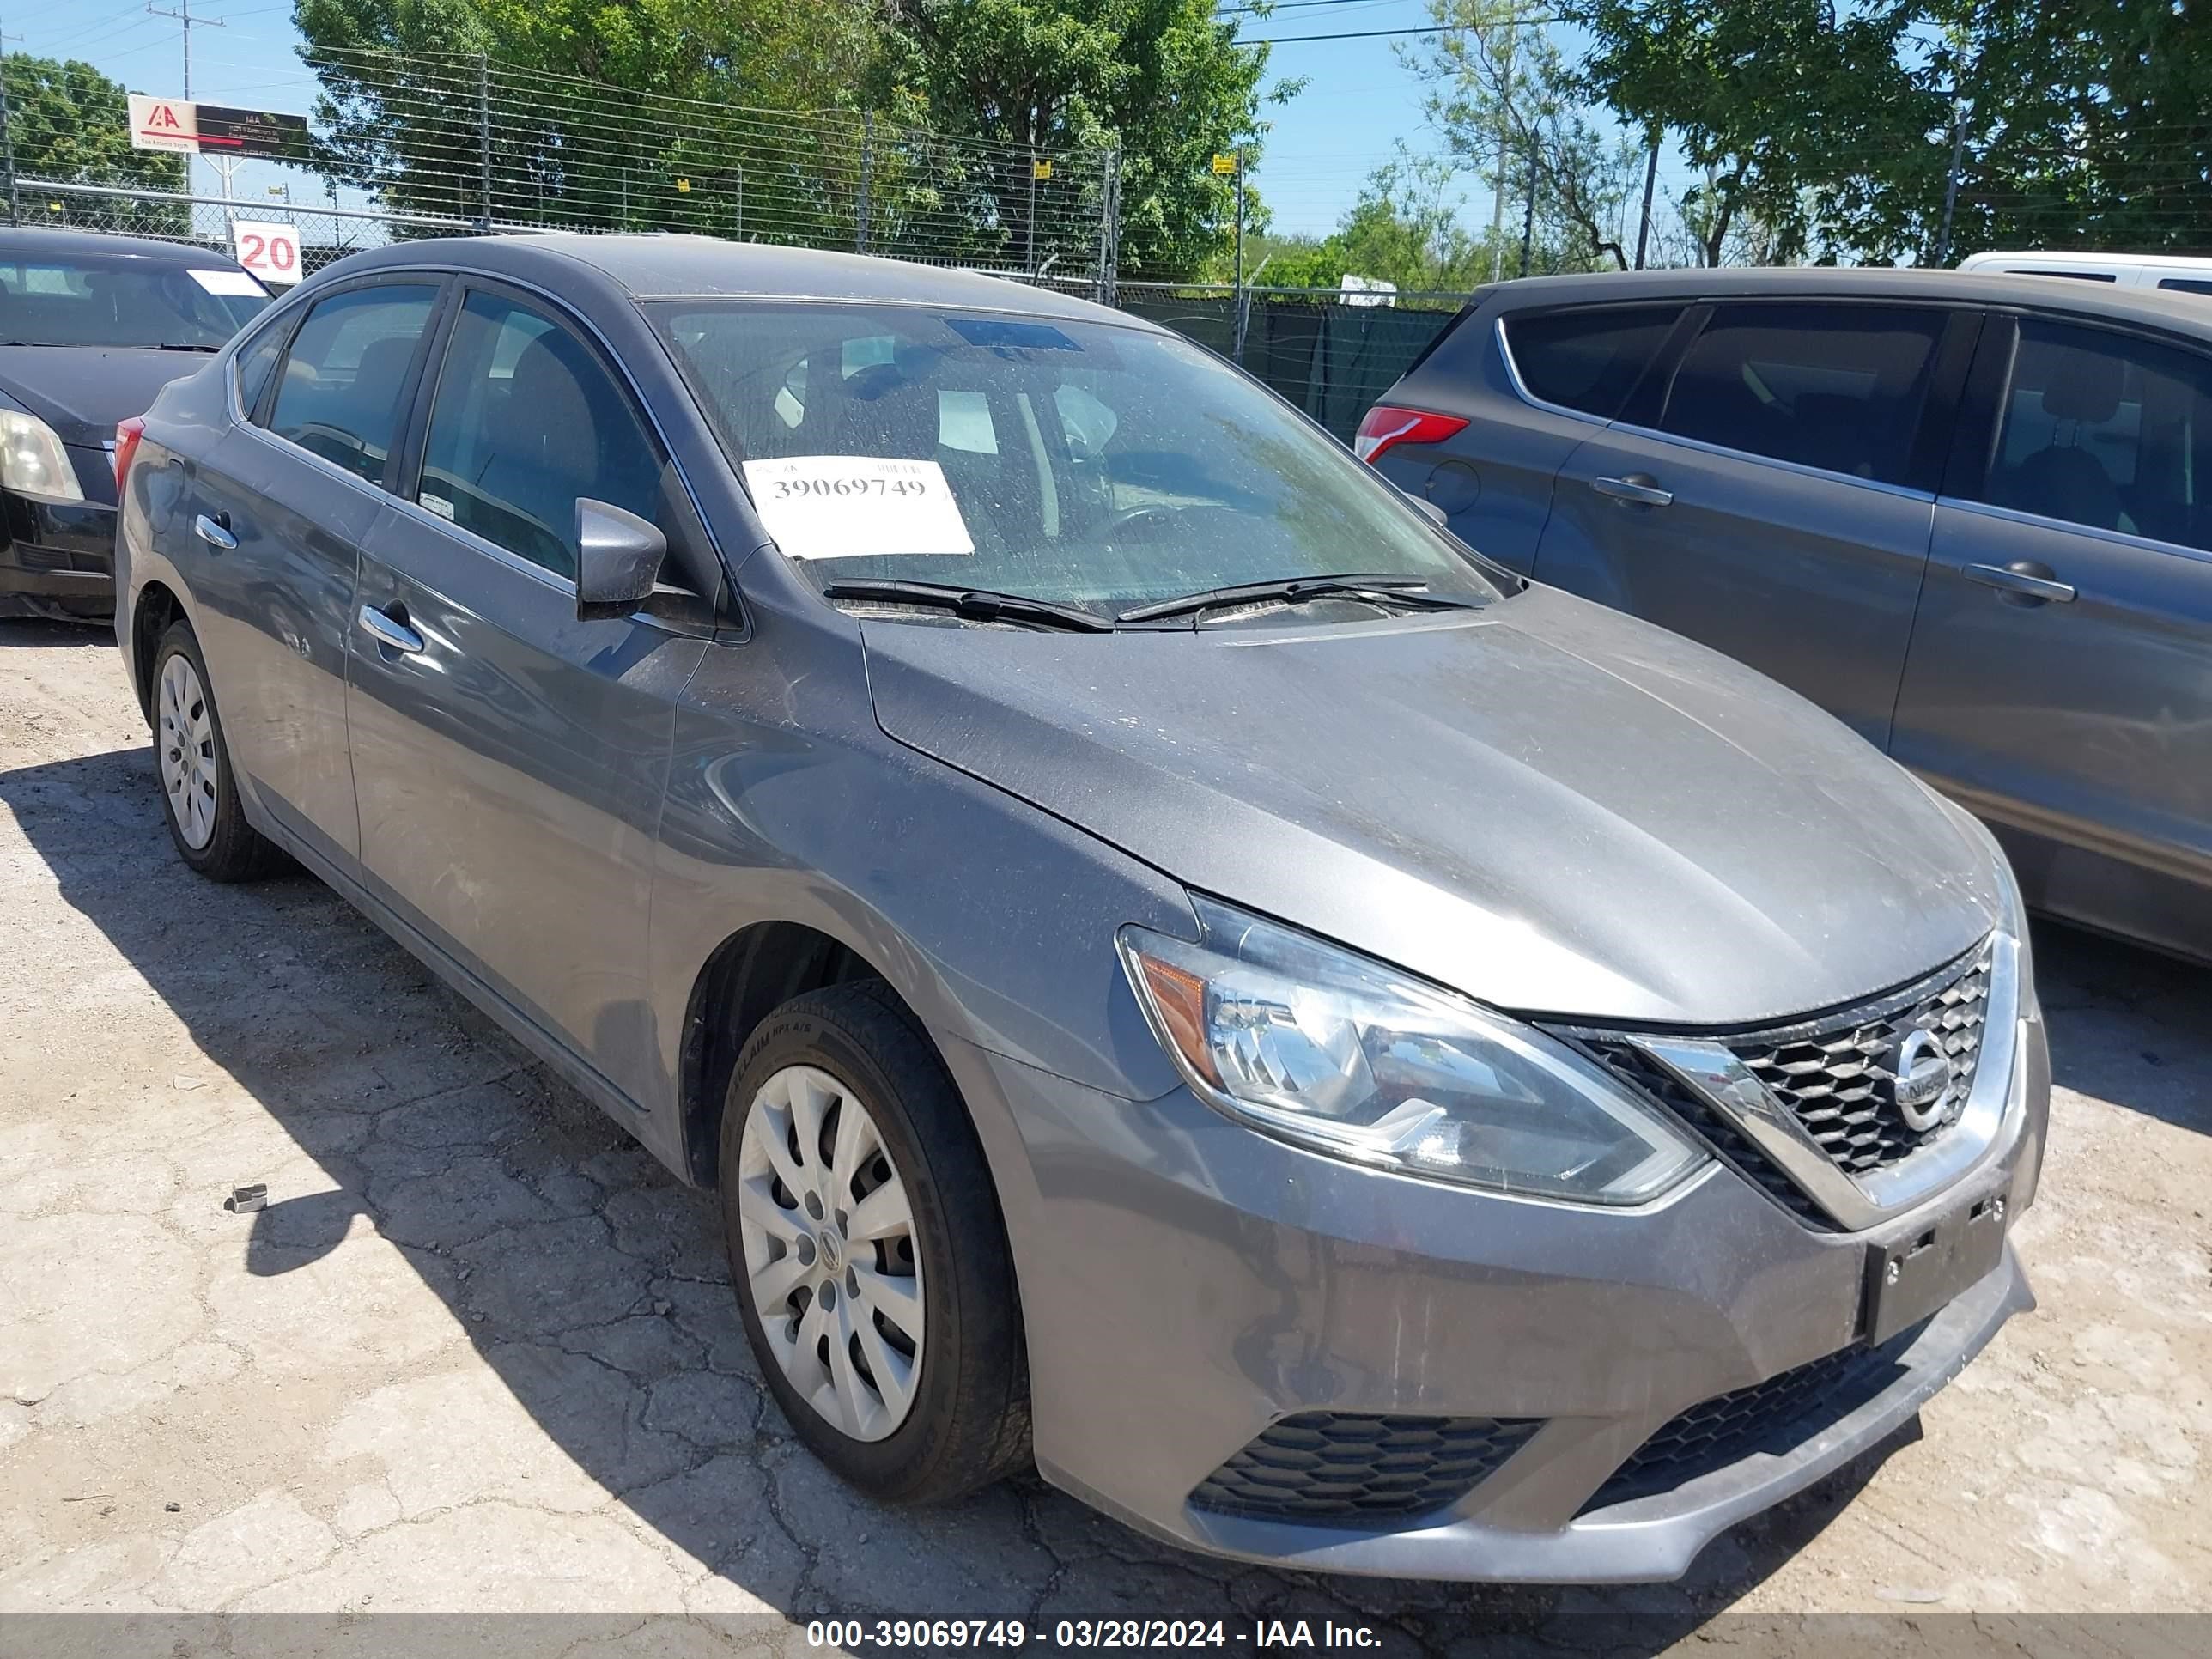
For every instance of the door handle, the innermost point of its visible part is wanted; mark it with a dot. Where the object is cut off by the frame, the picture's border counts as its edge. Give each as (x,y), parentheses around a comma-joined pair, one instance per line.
(2022,582)
(385,630)
(214,532)
(1637,489)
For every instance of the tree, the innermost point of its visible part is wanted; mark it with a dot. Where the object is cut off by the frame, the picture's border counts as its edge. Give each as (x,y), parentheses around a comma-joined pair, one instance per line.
(1164,80)
(1406,228)
(1504,100)
(1806,116)
(68,124)
(671,148)
(2083,123)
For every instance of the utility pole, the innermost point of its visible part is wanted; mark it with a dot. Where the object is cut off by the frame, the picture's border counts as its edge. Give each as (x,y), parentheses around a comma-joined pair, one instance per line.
(484,136)
(8,135)
(1504,137)
(1243,299)
(183,14)
(1950,186)
(1528,213)
(1650,179)
(1028,258)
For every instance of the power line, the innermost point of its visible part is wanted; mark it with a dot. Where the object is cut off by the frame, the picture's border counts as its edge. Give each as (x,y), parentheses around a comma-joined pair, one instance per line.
(184,15)
(1378,35)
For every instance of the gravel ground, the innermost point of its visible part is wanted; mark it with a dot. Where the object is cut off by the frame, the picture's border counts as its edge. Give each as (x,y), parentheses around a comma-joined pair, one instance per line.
(479,1354)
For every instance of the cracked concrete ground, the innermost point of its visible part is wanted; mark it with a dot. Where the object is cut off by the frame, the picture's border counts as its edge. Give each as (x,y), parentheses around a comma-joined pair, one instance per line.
(479,1353)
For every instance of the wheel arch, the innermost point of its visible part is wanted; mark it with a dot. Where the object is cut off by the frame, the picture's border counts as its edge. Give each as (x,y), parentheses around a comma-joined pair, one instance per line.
(750,974)
(156,607)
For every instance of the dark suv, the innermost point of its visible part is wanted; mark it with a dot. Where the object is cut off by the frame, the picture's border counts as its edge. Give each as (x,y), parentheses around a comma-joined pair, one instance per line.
(1971,515)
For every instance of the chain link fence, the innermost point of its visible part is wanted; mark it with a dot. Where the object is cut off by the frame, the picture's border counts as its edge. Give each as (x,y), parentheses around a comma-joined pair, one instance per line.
(409,145)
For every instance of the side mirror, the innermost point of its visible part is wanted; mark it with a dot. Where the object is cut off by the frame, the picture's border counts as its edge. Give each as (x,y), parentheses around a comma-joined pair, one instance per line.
(618,560)
(1427,508)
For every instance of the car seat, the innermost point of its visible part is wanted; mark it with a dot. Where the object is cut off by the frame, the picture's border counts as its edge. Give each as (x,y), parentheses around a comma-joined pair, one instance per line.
(2063,480)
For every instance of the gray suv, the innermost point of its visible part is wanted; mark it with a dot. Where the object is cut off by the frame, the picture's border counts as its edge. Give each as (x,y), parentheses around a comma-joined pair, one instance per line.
(1177,971)
(1969,514)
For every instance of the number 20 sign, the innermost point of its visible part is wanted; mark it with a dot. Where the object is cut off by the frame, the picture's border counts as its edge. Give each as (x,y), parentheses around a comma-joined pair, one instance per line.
(271,252)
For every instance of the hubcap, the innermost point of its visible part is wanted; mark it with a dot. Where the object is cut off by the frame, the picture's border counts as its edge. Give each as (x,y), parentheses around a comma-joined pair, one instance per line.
(827,1231)
(185,739)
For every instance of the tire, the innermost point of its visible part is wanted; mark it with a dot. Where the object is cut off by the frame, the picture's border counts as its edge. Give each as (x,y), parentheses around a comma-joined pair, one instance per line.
(199,795)
(955,1417)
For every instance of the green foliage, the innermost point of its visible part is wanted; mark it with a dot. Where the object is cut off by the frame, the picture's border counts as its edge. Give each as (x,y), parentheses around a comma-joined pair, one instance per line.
(1504,100)
(1825,129)
(1164,80)
(400,101)
(1407,227)
(2086,122)
(69,124)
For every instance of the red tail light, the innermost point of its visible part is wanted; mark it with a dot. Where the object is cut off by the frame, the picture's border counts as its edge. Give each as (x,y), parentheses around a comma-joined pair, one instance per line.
(1385,426)
(127,434)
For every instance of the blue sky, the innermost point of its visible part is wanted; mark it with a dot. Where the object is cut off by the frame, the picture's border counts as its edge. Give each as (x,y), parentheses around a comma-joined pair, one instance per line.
(1358,102)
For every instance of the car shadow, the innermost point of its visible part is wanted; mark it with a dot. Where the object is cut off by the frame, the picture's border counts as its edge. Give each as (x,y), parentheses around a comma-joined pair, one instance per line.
(592,1284)
(37,634)
(2158,1060)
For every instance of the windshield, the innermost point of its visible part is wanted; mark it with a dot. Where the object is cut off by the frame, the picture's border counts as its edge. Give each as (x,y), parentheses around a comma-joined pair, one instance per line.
(1087,463)
(122,300)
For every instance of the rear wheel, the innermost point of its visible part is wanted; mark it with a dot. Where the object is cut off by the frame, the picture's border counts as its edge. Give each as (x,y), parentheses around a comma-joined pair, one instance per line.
(867,1250)
(199,796)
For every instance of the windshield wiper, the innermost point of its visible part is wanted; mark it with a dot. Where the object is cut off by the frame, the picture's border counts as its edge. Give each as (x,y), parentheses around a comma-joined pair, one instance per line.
(972,604)
(179,345)
(1385,588)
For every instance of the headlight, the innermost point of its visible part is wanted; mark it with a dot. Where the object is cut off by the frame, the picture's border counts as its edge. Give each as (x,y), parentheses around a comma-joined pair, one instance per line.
(1317,1046)
(33,461)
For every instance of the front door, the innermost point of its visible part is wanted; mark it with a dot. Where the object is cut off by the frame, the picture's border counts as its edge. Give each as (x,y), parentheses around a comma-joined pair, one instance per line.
(2060,679)
(1767,504)
(274,540)
(511,760)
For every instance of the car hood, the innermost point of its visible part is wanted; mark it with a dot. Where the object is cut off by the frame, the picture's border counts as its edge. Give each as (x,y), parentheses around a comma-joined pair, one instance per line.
(1554,808)
(82,391)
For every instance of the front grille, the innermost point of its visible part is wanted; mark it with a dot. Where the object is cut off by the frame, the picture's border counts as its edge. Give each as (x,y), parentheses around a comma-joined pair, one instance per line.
(1641,1072)
(1835,1076)
(1342,1468)
(1774,1416)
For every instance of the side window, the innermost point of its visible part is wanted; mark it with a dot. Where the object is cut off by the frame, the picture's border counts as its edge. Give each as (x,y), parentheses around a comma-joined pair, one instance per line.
(2108,431)
(524,421)
(2070,276)
(253,364)
(1589,358)
(1838,388)
(2187,284)
(345,373)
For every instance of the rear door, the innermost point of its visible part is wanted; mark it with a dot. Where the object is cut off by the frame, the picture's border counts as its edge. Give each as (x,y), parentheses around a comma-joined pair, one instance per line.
(283,509)
(1530,386)
(2060,677)
(510,758)
(1770,498)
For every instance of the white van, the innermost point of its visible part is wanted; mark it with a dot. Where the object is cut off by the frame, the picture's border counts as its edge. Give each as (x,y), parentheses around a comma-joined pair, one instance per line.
(2176,272)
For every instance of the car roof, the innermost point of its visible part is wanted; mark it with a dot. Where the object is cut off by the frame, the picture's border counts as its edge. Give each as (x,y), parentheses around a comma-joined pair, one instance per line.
(649,267)
(2174,313)
(1998,256)
(42,242)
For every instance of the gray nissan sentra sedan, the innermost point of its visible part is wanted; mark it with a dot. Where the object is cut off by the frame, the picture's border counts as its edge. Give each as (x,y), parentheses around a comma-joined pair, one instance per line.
(1179,971)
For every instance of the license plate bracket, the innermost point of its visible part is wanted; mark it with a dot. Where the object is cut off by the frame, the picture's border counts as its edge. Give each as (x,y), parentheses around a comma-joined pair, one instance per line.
(1911,1278)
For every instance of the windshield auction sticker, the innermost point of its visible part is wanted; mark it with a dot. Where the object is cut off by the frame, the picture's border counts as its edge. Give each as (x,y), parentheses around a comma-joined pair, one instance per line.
(850,506)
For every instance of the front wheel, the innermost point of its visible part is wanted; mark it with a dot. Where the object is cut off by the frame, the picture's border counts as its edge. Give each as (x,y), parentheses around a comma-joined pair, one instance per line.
(867,1250)
(200,793)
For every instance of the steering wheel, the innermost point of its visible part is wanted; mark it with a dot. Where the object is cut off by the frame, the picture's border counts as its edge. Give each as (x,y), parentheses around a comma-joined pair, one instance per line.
(1137,515)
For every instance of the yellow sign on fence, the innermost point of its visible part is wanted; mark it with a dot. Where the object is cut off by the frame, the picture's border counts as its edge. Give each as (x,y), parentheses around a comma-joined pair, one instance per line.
(1041,169)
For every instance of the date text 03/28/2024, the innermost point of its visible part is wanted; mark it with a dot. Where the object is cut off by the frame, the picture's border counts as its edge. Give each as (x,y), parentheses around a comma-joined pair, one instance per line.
(856,1635)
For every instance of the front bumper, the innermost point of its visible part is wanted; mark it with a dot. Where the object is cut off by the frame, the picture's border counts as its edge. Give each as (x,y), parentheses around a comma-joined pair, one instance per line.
(57,559)
(1186,1284)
